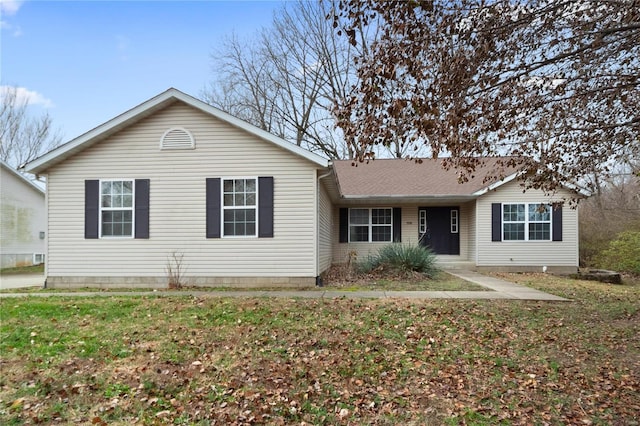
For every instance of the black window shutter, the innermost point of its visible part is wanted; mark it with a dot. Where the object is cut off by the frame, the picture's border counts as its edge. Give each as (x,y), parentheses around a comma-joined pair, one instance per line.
(142,208)
(556,218)
(213,207)
(91,208)
(397,225)
(496,222)
(265,207)
(344,225)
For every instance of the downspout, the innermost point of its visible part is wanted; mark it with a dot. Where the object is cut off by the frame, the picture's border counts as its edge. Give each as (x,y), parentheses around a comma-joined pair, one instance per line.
(318,279)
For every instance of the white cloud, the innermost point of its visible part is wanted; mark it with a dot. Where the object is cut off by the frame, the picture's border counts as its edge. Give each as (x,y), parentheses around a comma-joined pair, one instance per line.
(10,7)
(26,96)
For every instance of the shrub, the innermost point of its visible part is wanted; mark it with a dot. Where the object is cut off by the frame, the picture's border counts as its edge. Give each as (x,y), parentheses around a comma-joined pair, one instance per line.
(402,258)
(623,253)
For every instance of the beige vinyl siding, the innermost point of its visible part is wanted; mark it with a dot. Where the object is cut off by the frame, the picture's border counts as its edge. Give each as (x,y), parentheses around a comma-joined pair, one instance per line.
(525,253)
(177,203)
(470,218)
(325,228)
(409,234)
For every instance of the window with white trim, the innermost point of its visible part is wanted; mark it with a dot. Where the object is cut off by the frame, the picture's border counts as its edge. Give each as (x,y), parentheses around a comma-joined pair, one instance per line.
(116,208)
(370,225)
(239,204)
(454,221)
(526,222)
(422,221)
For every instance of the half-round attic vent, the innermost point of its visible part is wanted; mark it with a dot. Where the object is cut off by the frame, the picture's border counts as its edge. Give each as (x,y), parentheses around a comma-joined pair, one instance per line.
(177,138)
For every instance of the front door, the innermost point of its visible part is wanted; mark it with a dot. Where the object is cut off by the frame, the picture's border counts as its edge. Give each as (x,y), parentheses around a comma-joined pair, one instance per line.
(439,229)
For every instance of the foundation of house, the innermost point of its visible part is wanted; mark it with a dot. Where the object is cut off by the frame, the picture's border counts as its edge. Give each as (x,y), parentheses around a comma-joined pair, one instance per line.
(163,283)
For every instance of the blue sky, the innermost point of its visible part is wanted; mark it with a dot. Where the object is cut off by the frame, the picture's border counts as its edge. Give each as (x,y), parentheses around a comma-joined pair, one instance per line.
(88,61)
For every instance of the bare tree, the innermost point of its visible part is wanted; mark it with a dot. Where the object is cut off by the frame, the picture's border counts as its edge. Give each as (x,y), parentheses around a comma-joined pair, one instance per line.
(22,137)
(287,79)
(555,86)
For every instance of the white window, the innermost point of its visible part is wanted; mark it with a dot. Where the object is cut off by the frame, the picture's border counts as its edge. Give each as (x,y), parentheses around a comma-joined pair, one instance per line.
(38,258)
(239,203)
(116,208)
(454,221)
(370,225)
(526,222)
(422,224)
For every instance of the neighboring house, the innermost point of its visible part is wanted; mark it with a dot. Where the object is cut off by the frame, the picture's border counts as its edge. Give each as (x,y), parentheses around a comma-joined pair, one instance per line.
(242,207)
(23,220)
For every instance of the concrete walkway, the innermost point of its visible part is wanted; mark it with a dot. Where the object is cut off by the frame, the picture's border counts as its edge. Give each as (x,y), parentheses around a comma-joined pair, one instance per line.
(500,289)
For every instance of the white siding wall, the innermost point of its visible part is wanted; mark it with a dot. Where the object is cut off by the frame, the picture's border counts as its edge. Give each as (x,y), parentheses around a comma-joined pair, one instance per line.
(22,218)
(409,233)
(525,253)
(325,228)
(177,203)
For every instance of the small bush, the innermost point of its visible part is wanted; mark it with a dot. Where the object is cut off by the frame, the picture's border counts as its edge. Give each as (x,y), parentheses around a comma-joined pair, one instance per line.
(623,253)
(402,258)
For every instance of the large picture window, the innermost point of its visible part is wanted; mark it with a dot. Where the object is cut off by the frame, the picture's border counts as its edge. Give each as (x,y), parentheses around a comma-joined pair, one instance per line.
(239,203)
(116,208)
(526,222)
(370,225)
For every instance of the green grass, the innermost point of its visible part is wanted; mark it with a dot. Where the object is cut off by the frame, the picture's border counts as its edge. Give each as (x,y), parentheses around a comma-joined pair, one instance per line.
(199,360)
(34,269)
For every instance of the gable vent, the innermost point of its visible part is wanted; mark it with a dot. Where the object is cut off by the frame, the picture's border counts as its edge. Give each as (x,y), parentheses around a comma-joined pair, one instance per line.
(177,138)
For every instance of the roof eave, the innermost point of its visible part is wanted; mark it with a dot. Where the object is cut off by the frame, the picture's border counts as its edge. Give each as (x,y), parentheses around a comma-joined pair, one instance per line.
(409,198)
(22,177)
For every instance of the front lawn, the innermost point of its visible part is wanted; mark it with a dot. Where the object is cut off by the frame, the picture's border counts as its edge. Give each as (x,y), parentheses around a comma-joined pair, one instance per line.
(185,360)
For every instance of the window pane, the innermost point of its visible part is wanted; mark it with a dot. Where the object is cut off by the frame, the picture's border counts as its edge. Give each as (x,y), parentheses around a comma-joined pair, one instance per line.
(240,228)
(106,201)
(127,187)
(539,212)
(228,186)
(117,223)
(228,199)
(127,201)
(359,216)
(381,233)
(359,233)
(251,199)
(539,231)
(116,187)
(239,185)
(381,216)
(117,201)
(251,185)
(514,231)
(239,200)
(513,212)
(239,222)
(106,188)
